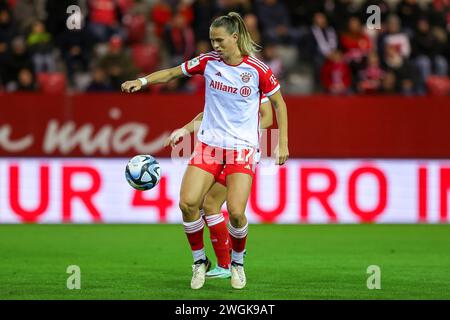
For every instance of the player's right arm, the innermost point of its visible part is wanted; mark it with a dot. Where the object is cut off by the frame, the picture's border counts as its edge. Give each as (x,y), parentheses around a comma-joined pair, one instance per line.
(187,129)
(162,76)
(196,65)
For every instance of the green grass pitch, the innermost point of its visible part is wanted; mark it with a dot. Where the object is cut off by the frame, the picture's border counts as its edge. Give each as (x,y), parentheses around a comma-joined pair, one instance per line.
(284,262)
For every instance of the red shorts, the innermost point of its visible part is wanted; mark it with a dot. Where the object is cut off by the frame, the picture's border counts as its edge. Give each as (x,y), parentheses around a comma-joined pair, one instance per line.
(223,162)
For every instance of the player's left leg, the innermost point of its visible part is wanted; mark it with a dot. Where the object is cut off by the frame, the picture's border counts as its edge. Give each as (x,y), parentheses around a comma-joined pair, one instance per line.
(238,190)
(212,205)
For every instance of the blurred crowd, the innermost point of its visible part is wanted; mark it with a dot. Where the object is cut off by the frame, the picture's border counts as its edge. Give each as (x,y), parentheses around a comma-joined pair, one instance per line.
(312,46)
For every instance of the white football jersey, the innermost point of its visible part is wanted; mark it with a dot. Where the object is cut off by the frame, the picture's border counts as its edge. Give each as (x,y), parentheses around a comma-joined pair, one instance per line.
(232,98)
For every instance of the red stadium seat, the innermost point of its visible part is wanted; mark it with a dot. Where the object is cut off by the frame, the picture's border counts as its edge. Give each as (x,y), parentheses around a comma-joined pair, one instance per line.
(438,85)
(52,83)
(145,57)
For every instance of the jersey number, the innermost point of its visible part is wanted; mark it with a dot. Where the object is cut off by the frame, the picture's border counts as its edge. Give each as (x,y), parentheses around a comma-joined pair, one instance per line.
(241,152)
(273,80)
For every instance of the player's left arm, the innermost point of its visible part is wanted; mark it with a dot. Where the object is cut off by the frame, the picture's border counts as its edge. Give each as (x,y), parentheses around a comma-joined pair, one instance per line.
(265,110)
(194,124)
(187,129)
(282,120)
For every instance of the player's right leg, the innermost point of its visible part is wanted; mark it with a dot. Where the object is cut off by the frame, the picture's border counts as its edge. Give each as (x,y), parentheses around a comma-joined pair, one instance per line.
(212,205)
(195,184)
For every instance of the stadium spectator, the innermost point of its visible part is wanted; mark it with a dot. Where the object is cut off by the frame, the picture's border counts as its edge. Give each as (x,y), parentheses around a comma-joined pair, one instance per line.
(99,81)
(336,76)
(41,48)
(25,80)
(394,37)
(125,5)
(204,11)
(251,21)
(322,36)
(271,58)
(342,12)
(161,15)
(439,14)
(75,46)
(409,13)
(405,75)
(302,12)
(428,54)
(355,44)
(140,8)
(105,19)
(26,12)
(320,42)
(7,32)
(180,40)
(275,22)
(117,63)
(55,22)
(184,7)
(389,83)
(18,58)
(370,78)
(243,7)
(135,21)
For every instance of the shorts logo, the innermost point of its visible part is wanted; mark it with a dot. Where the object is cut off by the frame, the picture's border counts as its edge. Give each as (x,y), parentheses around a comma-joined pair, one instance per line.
(245,91)
(245,77)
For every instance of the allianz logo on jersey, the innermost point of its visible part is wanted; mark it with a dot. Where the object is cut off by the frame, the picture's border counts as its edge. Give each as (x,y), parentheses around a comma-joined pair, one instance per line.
(222,87)
(245,91)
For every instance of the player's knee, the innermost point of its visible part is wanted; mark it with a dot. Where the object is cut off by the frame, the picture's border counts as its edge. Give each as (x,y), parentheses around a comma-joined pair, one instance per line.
(237,220)
(211,205)
(188,206)
(237,213)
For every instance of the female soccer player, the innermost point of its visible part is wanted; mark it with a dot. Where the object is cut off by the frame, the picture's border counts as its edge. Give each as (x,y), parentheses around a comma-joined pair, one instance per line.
(228,134)
(216,196)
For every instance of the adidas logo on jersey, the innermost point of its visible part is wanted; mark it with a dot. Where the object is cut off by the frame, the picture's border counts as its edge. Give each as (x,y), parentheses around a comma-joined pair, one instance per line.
(219,74)
(248,167)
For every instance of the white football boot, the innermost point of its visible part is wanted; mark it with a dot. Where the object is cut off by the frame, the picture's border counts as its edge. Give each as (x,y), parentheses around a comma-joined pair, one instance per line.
(199,269)
(238,279)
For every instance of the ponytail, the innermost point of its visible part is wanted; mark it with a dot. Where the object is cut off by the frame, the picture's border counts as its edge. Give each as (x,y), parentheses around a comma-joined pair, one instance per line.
(234,23)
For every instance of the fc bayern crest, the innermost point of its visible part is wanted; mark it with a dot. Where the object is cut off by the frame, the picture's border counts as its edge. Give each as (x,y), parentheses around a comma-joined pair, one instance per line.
(245,77)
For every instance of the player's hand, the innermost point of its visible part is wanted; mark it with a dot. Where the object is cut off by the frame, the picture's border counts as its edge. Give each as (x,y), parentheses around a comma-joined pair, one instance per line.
(131,86)
(281,154)
(175,136)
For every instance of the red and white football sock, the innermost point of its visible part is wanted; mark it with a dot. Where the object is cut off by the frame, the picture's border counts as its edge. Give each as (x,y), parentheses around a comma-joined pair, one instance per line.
(238,240)
(194,233)
(219,239)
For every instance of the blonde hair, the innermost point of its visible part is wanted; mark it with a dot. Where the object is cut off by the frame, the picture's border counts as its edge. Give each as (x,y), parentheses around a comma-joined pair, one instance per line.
(234,23)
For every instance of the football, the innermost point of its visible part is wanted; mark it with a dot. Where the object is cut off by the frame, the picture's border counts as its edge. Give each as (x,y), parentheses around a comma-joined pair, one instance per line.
(143,172)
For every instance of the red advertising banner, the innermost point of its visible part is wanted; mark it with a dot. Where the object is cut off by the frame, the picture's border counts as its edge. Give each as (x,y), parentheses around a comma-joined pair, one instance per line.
(118,125)
(94,190)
